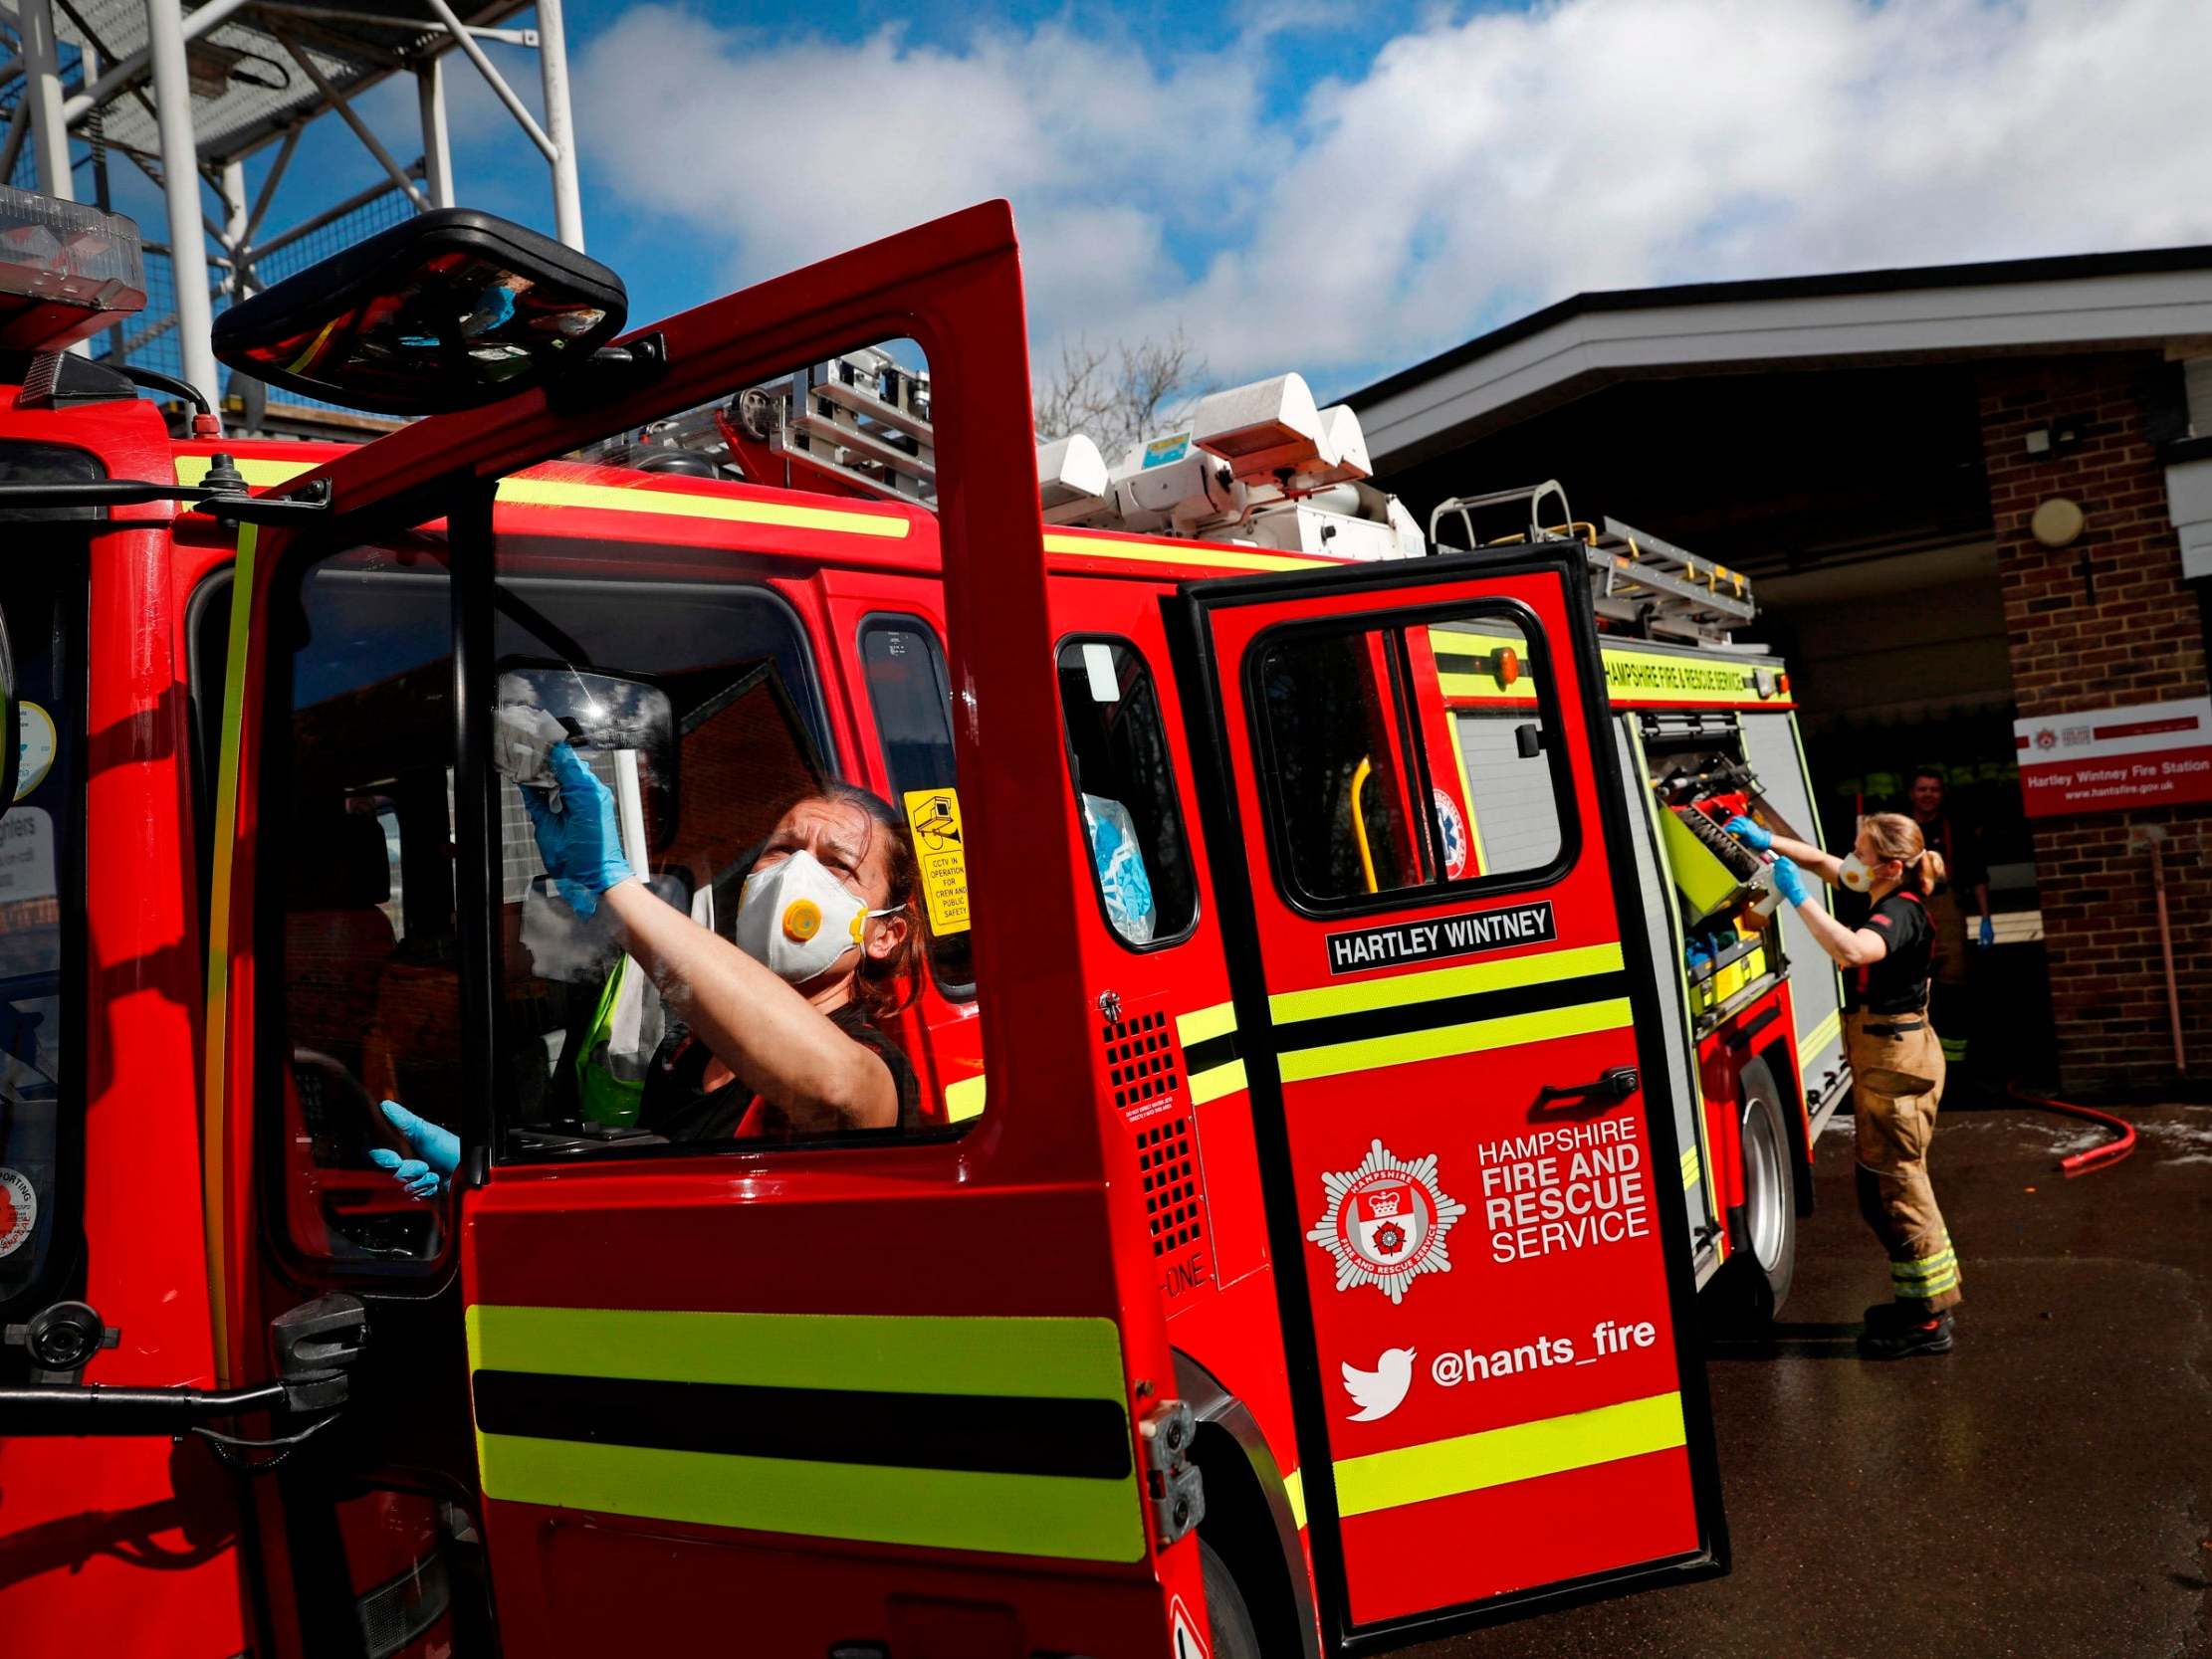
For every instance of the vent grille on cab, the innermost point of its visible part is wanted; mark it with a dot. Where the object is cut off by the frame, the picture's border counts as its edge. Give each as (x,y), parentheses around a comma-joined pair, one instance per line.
(1143,1063)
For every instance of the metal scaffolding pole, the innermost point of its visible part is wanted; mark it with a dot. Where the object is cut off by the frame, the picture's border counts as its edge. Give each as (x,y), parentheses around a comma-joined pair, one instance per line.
(437,139)
(560,128)
(41,69)
(180,181)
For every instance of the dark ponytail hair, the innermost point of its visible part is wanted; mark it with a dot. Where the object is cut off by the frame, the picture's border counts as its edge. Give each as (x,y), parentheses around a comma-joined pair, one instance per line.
(887,984)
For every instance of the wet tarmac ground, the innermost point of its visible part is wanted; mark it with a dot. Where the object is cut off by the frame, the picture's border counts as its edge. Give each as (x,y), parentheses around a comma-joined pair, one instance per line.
(2045,1489)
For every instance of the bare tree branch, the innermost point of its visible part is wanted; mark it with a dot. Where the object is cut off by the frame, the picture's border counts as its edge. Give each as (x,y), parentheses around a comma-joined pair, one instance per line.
(1122,394)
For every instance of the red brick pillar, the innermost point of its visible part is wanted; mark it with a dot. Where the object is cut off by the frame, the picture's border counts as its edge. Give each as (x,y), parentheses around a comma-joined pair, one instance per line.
(2131,633)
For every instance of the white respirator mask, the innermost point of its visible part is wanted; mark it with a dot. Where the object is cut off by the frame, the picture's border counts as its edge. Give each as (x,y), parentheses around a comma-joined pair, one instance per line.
(1854,873)
(796,919)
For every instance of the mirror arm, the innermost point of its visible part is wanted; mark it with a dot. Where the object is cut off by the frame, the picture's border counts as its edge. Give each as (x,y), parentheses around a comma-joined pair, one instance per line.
(609,372)
(43,1408)
(231,505)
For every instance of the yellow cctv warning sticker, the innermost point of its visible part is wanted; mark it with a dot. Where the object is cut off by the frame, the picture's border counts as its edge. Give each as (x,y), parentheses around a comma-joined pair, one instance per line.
(933,817)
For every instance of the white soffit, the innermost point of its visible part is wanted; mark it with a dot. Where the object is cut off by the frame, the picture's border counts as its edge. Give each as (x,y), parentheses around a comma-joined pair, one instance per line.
(1589,346)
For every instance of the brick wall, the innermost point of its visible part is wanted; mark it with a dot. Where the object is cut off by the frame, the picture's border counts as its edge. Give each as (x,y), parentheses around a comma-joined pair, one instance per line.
(2139,639)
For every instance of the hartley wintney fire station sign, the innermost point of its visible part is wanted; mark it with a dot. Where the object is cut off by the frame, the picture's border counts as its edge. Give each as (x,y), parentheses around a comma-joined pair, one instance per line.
(2109,759)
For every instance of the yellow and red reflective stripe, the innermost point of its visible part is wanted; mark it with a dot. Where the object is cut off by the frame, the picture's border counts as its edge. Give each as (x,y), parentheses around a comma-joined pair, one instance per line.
(1499,1456)
(835,1365)
(522,490)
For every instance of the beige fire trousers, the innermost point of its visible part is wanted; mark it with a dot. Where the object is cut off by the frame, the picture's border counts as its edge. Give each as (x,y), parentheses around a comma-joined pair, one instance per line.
(1897,1067)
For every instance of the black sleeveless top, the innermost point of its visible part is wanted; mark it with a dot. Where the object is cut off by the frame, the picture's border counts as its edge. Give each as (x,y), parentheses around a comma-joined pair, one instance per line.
(1899,983)
(678,1104)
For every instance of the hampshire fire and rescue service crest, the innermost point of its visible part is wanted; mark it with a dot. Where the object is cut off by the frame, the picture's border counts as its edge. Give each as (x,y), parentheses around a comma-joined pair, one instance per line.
(1386,1222)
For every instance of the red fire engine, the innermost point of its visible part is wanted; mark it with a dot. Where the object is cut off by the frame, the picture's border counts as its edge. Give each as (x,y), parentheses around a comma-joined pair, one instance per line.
(1348,1044)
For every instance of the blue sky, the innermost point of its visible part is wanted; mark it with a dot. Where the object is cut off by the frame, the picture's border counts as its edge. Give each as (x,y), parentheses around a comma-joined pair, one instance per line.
(1346,188)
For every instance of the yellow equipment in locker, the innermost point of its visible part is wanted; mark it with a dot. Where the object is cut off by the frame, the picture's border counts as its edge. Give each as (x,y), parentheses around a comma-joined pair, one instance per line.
(1723,983)
(1698,869)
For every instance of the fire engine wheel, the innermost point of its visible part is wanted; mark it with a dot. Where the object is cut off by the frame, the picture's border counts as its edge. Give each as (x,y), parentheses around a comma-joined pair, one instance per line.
(1765,1259)
(1234,1634)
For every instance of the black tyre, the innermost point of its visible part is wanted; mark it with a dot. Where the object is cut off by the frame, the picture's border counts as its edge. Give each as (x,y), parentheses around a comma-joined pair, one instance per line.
(1235,1636)
(1756,1278)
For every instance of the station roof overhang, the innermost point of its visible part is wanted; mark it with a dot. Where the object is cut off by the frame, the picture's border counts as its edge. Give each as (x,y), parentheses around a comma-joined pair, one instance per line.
(2159,299)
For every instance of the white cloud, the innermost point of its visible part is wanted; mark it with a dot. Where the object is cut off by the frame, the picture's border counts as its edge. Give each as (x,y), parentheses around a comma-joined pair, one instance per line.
(1478,167)
(789,151)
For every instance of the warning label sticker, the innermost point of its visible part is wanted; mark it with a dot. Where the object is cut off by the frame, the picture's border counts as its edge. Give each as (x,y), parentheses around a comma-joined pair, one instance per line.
(1189,1645)
(933,817)
(19,1210)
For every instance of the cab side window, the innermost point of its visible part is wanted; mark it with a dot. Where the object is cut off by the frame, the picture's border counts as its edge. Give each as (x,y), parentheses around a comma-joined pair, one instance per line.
(1125,792)
(1411,754)
(357,825)
(1499,726)
(42,918)
(911,697)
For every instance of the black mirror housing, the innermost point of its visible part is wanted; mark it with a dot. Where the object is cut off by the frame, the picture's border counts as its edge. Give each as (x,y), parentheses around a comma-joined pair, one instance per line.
(447,310)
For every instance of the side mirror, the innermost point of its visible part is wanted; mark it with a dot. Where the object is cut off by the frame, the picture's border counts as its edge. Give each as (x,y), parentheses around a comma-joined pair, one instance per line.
(541,704)
(1528,740)
(447,310)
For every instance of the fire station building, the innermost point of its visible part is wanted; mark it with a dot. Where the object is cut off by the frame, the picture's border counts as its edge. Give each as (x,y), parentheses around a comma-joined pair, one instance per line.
(1975,505)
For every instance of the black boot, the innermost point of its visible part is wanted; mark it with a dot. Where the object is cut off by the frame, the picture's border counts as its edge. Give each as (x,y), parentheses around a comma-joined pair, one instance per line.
(1900,1335)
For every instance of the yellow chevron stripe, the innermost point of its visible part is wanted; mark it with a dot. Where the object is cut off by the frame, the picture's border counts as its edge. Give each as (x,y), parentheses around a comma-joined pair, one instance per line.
(1216,1081)
(1521,1452)
(1152,552)
(1061,1517)
(1474,1037)
(1201,1023)
(1056,1515)
(524,490)
(1467,980)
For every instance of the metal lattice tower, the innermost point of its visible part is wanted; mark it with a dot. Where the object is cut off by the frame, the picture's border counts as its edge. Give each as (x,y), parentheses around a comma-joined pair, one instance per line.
(193,97)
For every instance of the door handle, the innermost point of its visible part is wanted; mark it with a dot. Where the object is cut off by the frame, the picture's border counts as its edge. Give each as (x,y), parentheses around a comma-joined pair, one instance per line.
(1613,1085)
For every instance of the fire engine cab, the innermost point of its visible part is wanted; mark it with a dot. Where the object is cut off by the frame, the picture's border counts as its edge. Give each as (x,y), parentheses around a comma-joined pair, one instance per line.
(1348,1044)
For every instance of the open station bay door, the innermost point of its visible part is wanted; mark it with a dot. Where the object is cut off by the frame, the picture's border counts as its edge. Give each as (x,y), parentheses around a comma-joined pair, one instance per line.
(1498,1397)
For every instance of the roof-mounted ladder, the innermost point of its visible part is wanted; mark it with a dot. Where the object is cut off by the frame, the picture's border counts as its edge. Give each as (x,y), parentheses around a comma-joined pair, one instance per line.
(1635,578)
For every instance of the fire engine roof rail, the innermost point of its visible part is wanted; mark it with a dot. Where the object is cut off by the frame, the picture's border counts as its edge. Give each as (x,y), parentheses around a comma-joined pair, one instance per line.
(1636,577)
(1522,507)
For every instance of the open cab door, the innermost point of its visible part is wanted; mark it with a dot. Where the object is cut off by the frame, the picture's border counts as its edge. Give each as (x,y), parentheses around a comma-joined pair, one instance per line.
(900,1393)
(1441,995)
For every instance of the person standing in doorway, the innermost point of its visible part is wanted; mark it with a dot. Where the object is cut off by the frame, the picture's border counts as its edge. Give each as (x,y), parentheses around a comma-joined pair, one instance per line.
(1896,1063)
(1958,847)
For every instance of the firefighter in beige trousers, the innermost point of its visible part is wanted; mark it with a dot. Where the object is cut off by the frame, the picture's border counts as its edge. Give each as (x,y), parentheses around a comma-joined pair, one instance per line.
(1896,1061)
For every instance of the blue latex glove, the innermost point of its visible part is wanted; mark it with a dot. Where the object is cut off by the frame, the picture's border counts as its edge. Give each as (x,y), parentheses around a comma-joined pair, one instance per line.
(1750,834)
(1789,880)
(437,1154)
(581,843)
(1988,933)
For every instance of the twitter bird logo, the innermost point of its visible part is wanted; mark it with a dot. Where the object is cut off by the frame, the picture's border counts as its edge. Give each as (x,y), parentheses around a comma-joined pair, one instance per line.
(1381,1390)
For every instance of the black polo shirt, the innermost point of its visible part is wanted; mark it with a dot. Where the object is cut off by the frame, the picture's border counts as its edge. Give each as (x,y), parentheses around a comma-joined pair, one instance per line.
(1899,983)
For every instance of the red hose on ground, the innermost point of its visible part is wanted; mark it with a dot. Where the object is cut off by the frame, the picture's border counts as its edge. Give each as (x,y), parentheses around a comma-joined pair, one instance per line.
(2097,1158)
